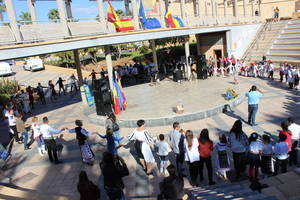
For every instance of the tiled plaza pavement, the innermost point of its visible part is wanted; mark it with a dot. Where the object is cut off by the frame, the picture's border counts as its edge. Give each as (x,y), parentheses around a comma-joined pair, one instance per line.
(29,170)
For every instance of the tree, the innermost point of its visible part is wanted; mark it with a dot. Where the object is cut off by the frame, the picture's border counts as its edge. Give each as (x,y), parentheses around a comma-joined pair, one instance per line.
(2,9)
(25,18)
(120,13)
(171,41)
(53,15)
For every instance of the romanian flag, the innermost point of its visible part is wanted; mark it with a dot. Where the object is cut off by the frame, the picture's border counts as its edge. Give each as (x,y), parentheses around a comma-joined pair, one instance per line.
(123,24)
(119,97)
(172,21)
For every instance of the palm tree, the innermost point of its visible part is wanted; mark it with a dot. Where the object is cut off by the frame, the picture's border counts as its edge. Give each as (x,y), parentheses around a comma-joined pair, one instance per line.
(2,9)
(25,18)
(53,15)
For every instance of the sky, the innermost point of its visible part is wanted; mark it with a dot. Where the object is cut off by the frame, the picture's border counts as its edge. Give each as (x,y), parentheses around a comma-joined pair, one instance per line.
(80,8)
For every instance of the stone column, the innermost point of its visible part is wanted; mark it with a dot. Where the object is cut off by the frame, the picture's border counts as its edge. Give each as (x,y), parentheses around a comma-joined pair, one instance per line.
(244,7)
(109,66)
(62,15)
(153,47)
(259,7)
(235,8)
(135,15)
(31,8)
(78,67)
(68,9)
(198,44)
(252,8)
(228,43)
(162,12)
(182,10)
(195,8)
(205,6)
(187,54)
(225,8)
(212,2)
(127,10)
(101,12)
(10,9)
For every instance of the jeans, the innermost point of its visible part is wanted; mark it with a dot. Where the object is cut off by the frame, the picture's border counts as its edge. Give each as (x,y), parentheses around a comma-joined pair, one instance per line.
(280,164)
(179,163)
(25,139)
(117,135)
(293,160)
(15,133)
(252,110)
(115,193)
(208,164)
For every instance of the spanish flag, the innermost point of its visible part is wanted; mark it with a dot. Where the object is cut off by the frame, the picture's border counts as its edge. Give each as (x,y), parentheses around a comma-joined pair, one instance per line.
(123,24)
(173,22)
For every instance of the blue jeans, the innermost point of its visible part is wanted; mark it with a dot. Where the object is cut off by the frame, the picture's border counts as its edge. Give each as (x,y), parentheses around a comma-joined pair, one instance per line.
(117,134)
(25,139)
(252,110)
(115,193)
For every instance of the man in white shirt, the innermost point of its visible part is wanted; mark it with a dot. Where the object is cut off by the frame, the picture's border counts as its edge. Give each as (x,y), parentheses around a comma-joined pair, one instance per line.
(295,129)
(48,132)
(281,154)
(12,125)
(176,143)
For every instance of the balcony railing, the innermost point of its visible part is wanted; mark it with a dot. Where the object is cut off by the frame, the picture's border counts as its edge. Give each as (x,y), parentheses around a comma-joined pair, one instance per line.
(52,30)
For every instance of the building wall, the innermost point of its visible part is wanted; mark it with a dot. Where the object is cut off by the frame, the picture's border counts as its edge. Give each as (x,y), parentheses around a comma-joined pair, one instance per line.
(286,7)
(212,41)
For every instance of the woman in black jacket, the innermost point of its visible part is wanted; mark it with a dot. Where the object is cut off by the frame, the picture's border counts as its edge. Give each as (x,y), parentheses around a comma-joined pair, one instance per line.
(113,169)
(87,189)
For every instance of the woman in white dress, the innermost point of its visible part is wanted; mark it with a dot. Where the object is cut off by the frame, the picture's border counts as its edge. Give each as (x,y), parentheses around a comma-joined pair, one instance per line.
(142,146)
(192,156)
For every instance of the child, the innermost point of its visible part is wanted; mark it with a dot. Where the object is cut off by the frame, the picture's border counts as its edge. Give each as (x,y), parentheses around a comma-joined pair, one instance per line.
(255,149)
(37,135)
(266,157)
(163,151)
(205,149)
(222,161)
(281,150)
(111,145)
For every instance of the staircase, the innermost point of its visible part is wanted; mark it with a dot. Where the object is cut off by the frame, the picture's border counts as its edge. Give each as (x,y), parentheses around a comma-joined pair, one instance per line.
(286,47)
(231,191)
(264,40)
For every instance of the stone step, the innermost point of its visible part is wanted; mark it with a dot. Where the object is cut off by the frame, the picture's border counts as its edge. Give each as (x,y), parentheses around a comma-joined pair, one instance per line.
(291,30)
(295,21)
(287,35)
(291,39)
(295,25)
(284,51)
(289,57)
(287,46)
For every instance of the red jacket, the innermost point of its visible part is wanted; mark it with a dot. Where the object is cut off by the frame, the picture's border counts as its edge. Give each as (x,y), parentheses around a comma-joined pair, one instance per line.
(205,149)
(288,138)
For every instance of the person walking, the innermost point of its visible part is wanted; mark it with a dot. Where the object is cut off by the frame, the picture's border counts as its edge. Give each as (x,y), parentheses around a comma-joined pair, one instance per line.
(238,142)
(205,149)
(176,140)
(86,188)
(276,14)
(48,132)
(38,136)
(82,135)
(113,170)
(23,128)
(192,156)
(93,75)
(61,87)
(12,121)
(254,96)
(111,123)
(41,93)
(112,141)
(142,146)
(29,90)
(73,82)
(163,150)
(52,90)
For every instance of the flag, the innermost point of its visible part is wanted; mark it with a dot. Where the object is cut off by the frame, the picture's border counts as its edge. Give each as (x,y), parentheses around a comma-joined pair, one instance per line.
(148,23)
(124,24)
(172,21)
(116,101)
(123,95)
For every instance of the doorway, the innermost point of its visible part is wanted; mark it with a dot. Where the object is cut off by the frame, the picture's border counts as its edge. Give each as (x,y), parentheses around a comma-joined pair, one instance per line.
(218,56)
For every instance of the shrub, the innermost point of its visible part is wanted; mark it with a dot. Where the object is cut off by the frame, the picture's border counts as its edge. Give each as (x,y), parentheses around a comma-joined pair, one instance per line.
(144,49)
(9,87)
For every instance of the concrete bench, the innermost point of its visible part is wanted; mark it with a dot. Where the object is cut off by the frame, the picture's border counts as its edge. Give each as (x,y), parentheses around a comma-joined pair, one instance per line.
(86,28)
(6,35)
